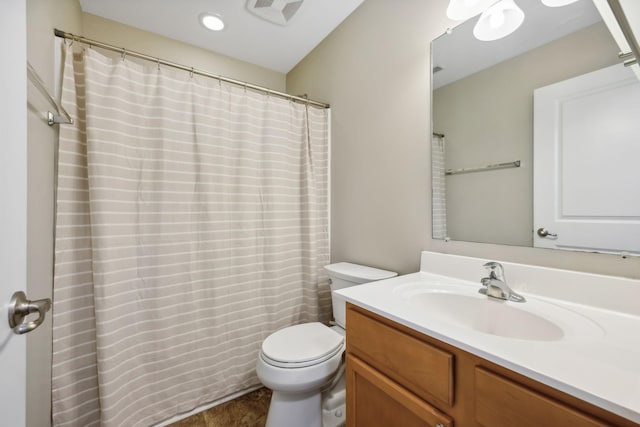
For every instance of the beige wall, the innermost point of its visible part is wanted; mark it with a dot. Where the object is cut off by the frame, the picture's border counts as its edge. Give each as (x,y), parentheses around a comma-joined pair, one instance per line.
(104,30)
(488,118)
(374,70)
(42,17)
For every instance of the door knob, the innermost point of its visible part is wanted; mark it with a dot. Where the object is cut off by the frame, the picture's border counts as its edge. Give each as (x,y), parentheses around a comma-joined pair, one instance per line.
(20,307)
(543,232)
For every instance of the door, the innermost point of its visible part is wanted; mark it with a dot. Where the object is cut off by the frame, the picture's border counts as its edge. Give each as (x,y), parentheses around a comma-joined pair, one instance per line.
(586,154)
(13,206)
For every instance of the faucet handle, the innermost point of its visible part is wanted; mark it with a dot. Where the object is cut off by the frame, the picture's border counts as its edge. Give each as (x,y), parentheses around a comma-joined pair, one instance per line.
(495,270)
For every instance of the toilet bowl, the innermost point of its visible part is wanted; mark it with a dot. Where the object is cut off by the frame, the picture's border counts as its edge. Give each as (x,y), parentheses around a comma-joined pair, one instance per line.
(304,364)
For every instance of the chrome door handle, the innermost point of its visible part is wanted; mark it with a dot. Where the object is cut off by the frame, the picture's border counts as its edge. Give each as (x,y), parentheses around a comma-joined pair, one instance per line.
(543,232)
(20,307)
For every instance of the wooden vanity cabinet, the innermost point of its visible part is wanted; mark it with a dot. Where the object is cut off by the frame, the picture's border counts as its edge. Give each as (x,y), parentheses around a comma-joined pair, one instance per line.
(399,377)
(378,401)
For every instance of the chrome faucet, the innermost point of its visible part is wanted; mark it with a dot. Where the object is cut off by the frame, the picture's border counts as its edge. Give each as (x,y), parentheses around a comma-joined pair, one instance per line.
(495,285)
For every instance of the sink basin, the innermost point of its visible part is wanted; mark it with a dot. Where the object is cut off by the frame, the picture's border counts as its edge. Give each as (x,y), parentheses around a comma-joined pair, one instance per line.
(487,315)
(462,306)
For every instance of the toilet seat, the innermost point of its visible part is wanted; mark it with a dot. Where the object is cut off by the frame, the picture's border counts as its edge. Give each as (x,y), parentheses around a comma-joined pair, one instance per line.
(301,345)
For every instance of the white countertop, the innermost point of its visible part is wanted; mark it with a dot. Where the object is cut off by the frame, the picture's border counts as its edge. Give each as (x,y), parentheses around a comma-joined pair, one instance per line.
(600,363)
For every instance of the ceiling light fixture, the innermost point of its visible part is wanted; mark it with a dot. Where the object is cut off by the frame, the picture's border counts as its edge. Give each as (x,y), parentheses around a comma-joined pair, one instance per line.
(461,10)
(499,17)
(212,22)
(557,3)
(500,20)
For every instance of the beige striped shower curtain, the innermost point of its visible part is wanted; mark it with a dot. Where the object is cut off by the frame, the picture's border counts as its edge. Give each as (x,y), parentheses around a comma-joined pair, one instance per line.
(438,188)
(191,223)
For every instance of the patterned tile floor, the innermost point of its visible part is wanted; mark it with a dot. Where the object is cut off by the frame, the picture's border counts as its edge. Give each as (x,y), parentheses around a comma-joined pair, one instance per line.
(249,410)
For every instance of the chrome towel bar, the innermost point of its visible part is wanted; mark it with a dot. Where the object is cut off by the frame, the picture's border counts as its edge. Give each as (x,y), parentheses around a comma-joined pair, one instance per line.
(515,164)
(60,116)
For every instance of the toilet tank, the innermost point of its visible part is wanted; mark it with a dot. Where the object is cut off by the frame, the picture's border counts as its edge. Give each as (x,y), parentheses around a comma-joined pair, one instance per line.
(345,274)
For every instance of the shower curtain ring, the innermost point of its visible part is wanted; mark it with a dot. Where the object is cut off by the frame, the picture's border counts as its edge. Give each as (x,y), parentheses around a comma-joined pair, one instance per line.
(158,62)
(124,53)
(191,73)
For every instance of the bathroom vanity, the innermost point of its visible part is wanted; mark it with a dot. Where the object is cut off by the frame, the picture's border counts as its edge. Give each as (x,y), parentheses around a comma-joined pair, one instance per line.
(402,377)
(544,362)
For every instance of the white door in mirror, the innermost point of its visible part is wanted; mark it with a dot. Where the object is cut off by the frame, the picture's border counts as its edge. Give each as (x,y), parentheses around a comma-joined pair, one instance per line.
(586,163)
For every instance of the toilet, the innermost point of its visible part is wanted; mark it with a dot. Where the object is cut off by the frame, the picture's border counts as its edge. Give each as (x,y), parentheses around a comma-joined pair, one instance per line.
(304,365)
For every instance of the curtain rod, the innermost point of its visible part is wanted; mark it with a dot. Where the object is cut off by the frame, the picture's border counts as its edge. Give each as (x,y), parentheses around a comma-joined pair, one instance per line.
(76,38)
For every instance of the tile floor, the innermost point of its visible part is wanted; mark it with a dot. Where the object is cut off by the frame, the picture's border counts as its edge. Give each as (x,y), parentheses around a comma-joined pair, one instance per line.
(249,410)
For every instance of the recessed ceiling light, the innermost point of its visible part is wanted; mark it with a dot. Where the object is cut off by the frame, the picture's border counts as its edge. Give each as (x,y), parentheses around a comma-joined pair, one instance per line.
(212,22)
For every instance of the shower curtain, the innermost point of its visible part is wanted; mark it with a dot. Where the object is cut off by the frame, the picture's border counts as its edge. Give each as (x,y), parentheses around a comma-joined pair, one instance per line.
(192,221)
(438,189)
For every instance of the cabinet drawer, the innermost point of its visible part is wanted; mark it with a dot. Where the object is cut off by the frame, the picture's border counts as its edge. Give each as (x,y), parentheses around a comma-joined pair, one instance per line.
(503,403)
(376,401)
(420,367)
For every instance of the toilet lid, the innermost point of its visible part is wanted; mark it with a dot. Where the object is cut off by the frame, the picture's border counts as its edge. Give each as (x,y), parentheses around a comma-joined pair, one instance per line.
(302,345)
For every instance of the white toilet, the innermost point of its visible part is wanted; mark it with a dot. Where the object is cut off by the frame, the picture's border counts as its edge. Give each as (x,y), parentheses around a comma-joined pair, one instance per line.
(303,364)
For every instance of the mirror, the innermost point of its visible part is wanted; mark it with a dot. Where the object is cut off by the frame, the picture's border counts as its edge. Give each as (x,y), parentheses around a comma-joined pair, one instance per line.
(535,143)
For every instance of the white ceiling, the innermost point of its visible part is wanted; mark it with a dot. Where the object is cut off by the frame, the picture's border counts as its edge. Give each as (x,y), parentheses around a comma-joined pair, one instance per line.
(245,37)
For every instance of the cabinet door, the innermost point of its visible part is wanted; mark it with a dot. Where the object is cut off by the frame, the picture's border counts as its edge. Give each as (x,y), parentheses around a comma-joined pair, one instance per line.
(501,402)
(415,364)
(373,400)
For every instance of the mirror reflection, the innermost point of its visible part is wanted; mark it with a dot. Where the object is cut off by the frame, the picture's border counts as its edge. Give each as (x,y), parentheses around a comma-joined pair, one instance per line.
(535,135)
